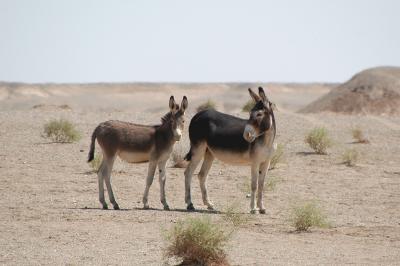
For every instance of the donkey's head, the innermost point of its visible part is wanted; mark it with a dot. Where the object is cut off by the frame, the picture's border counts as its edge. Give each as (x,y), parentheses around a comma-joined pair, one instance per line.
(261,116)
(177,117)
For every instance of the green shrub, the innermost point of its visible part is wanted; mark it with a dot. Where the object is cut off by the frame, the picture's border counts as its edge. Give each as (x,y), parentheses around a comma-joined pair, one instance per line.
(61,131)
(358,135)
(248,105)
(234,217)
(350,157)
(197,241)
(277,157)
(319,140)
(96,162)
(307,215)
(207,105)
(269,185)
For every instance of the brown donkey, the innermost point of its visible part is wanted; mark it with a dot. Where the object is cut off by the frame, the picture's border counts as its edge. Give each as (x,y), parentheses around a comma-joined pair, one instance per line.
(136,144)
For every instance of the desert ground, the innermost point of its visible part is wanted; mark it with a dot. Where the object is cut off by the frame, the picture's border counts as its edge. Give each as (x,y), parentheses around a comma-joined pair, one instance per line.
(50,212)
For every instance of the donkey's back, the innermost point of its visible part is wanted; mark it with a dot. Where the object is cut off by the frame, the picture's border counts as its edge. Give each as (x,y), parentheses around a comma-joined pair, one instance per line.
(132,142)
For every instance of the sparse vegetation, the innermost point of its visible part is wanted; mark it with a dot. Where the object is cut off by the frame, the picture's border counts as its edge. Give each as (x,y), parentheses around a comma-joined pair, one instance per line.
(207,105)
(233,217)
(350,157)
(96,162)
(319,140)
(197,241)
(248,105)
(358,135)
(277,157)
(61,131)
(307,215)
(269,185)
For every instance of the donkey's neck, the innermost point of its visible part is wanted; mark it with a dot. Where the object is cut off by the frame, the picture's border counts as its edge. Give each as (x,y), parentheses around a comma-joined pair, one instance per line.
(164,132)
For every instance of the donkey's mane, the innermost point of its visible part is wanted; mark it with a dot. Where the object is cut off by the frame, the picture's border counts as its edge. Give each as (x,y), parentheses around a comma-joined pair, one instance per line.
(166,117)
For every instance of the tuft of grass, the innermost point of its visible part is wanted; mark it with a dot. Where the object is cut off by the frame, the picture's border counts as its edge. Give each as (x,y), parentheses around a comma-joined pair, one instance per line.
(197,241)
(207,105)
(277,157)
(62,131)
(234,217)
(248,105)
(307,215)
(350,157)
(96,162)
(319,140)
(358,135)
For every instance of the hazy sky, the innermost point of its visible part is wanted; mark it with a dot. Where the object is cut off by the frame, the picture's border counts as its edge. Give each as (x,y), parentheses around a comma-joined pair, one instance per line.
(207,40)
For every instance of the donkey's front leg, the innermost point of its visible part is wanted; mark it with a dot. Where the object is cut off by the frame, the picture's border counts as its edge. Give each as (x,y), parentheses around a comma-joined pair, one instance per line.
(149,181)
(162,179)
(254,177)
(262,173)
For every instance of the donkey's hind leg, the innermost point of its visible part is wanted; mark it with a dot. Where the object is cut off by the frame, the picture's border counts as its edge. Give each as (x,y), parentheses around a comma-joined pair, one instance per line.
(197,154)
(109,166)
(100,174)
(205,168)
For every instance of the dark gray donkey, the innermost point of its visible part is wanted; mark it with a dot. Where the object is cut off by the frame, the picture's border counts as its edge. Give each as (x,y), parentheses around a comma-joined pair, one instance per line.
(136,144)
(235,141)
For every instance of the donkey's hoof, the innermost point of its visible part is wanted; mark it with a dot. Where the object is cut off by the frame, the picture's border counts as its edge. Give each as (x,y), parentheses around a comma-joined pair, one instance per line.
(254,211)
(262,211)
(146,207)
(105,207)
(210,208)
(190,207)
(116,207)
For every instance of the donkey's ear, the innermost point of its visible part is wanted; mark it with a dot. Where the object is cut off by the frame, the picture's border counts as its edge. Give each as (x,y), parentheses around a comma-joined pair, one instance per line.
(255,97)
(184,103)
(262,94)
(172,103)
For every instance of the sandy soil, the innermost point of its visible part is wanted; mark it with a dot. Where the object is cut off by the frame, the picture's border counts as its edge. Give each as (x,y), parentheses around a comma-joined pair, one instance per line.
(50,213)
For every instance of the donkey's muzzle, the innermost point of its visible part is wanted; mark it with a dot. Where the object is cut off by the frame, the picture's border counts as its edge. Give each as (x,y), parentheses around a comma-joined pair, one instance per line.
(249,133)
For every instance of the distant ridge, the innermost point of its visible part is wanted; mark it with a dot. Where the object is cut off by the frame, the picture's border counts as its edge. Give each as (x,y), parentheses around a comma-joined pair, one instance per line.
(372,91)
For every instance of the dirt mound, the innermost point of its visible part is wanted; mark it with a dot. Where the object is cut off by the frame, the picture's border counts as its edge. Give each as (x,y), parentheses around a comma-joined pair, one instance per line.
(372,91)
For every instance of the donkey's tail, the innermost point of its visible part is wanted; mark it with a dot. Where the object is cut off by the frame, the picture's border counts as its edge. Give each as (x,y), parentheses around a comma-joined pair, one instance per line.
(92,146)
(188,156)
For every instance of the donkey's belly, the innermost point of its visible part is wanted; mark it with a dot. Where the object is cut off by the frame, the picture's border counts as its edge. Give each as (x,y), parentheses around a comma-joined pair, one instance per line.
(134,157)
(229,157)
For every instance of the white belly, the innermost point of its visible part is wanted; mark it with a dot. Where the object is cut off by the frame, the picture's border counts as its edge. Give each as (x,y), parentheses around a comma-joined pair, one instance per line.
(134,157)
(232,157)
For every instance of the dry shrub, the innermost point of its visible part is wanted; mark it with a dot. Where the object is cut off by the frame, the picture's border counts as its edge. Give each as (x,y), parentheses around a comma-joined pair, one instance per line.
(319,140)
(234,217)
(248,105)
(207,105)
(277,157)
(61,131)
(96,162)
(350,157)
(307,215)
(358,135)
(197,241)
